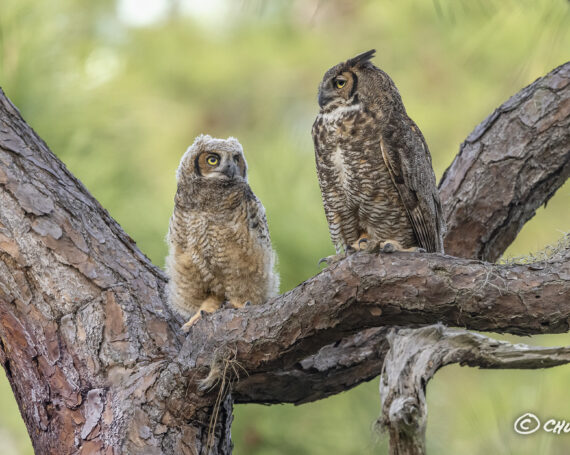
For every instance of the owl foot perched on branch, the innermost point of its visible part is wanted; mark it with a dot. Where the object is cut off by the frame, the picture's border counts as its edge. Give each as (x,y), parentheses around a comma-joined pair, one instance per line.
(332,259)
(209,305)
(387,246)
(238,304)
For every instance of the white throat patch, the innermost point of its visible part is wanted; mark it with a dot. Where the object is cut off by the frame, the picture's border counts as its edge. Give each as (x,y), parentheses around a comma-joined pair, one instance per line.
(340,112)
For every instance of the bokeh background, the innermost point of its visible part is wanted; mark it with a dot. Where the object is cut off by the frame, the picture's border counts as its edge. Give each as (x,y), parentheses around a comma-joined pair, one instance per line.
(119,88)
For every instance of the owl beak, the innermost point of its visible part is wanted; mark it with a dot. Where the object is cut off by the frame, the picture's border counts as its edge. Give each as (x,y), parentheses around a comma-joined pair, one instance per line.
(324,98)
(229,170)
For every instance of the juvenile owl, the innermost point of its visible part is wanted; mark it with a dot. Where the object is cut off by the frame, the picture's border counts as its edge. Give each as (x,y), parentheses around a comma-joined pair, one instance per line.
(373,164)
(219,245)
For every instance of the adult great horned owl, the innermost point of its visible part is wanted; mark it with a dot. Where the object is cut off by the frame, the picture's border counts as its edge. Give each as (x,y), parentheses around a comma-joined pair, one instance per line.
(373,164)
(219,245)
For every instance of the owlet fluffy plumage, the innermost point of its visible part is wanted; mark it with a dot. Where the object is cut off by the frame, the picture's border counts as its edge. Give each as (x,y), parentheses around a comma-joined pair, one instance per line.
(373,164)
(219,245)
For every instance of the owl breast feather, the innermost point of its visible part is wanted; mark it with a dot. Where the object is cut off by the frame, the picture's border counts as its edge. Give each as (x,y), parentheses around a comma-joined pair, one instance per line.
(358,192)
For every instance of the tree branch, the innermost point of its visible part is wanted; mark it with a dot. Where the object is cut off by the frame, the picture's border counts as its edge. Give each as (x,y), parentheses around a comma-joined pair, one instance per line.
(368,290)
(414,357)
(333,369)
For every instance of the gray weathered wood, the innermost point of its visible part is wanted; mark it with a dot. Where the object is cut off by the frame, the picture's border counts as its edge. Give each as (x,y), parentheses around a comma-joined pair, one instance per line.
(414,357)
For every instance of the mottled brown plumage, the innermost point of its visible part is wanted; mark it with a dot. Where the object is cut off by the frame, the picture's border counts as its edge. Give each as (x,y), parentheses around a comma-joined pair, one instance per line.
(373,164)
(219,245)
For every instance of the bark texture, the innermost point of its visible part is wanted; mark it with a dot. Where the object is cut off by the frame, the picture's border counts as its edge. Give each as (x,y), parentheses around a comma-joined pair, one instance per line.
(511,164)
(86,339)
(97,361)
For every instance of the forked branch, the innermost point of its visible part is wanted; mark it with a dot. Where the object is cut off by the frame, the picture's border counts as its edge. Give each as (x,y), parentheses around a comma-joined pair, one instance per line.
(511,164)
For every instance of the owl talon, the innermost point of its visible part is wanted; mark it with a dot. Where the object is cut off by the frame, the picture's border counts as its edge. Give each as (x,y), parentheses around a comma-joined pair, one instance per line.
(193,320)
(325,261)
(388,247)
(362,244)
(330,260)
(237,304)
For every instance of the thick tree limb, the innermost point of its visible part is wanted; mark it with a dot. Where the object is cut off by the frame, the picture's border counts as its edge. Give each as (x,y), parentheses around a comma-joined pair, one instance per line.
(96,360)
(333,369)
(414,357)
(539,154)
(511,164)
(81,309)
(388,290)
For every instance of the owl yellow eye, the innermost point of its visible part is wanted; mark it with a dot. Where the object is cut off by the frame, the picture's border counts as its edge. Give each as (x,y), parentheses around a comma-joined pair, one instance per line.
(339,83)
(212,160)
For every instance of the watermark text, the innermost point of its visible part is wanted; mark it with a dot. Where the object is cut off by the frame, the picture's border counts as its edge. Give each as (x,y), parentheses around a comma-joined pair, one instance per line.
(529,423)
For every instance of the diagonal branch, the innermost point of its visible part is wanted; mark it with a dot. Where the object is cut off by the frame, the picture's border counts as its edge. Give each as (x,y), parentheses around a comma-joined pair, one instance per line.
(356,358)
(414,357)
(512,163)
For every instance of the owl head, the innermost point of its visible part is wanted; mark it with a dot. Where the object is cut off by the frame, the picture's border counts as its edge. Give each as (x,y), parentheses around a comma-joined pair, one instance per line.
(214,159)
(351,82)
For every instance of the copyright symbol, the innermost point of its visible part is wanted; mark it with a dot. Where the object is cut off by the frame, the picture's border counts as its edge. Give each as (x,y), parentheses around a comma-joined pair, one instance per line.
(527,423)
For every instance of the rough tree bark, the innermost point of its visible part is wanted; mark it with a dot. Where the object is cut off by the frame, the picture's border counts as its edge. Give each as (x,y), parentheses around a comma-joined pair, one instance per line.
(97,362)
(511,164)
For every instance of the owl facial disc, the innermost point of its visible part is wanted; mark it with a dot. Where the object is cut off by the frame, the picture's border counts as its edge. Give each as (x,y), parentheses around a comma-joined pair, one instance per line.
(339,85)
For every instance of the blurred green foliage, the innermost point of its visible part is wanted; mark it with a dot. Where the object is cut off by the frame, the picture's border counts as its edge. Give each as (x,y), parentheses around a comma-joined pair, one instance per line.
(118,97)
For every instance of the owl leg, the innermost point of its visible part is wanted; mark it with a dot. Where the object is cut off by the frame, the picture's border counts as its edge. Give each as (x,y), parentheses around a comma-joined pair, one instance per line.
(209,305)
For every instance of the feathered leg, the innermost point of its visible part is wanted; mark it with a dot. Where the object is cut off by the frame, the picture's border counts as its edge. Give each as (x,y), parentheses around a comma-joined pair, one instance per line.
(209,305)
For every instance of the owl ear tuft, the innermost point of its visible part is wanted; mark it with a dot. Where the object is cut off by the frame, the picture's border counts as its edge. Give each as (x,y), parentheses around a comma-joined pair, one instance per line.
(362,58)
